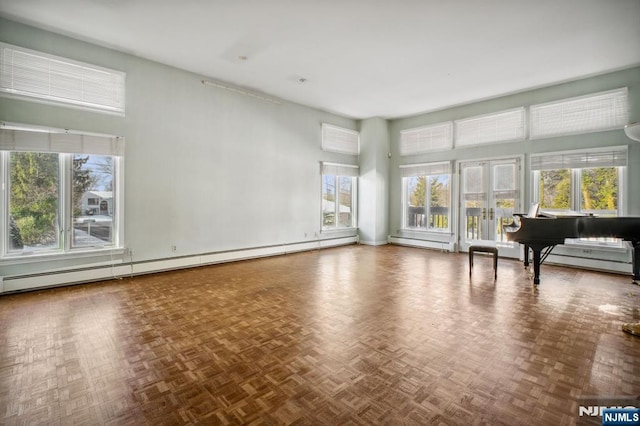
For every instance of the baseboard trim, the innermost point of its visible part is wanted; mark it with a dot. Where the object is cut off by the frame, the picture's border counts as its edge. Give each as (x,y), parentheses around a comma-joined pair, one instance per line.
(373,243)
(87,274)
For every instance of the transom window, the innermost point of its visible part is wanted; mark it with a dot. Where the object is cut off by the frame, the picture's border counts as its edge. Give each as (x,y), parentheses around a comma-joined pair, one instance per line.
(37,76)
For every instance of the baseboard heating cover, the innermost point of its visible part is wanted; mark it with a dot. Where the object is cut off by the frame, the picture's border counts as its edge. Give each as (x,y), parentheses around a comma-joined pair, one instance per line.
(12,284)
(413,242)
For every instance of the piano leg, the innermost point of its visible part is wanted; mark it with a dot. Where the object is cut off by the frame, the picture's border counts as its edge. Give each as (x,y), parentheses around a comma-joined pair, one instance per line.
(634,327)
(526,255)
(536,266)
(635,256)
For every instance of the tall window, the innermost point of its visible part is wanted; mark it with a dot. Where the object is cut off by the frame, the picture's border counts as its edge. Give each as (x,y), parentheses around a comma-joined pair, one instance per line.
(427,196)
(339,184)
(584,182)
(58,202)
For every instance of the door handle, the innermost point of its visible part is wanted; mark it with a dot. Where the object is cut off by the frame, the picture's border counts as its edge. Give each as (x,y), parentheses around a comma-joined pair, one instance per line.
(491,213)
(484,213)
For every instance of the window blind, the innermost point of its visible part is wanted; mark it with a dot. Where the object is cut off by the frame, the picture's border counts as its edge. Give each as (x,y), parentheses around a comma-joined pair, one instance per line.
(340,140)
(436,137)
(614,157)
(504,126)
(426,169)
(38,76)
(335,169)
(71,143)
(592,113)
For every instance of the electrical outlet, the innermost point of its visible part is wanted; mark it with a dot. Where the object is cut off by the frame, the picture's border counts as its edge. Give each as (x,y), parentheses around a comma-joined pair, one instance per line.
(174,248)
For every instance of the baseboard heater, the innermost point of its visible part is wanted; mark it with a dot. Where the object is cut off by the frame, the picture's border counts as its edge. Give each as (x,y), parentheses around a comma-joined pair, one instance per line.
(12,284)
(413,242)
(621,267)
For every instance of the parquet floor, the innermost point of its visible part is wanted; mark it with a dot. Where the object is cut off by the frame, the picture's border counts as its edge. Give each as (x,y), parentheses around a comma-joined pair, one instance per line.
(353,335)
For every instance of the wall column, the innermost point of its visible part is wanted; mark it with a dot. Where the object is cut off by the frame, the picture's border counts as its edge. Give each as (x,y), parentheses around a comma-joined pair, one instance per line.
(373,186)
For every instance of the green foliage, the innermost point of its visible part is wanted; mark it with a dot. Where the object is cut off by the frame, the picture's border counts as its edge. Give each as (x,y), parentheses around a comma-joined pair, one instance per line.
(34,196)
(555,189)
(418,195)
(33,233)
(600,188)
(439,191)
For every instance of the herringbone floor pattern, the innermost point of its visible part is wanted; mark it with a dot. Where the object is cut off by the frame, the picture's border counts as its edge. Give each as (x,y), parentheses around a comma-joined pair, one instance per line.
(354,335)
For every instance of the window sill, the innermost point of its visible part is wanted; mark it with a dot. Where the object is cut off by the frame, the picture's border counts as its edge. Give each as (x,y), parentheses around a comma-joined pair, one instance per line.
(338,232)
(423,231)
(35,257)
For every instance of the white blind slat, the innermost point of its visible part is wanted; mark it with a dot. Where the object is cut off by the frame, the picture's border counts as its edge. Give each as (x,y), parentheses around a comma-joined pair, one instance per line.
(596,112)
(436,137)
(32,74)
(340,140)
(616,157)
(71,143)
(340,169)
(504,126)
(426,169)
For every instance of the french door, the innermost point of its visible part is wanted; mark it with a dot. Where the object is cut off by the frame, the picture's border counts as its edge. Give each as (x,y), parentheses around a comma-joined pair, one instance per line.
(489,196)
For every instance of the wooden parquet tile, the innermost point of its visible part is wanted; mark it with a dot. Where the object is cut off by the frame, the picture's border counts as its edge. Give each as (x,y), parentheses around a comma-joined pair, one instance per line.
(352,336)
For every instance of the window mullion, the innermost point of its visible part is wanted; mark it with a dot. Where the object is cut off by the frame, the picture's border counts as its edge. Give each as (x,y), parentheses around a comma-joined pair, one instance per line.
(64,203)
(621,191)
(427,204)
(576,190)
(4,202)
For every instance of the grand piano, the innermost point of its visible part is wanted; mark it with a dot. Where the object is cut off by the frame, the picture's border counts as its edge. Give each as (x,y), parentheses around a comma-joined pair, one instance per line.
(542,233)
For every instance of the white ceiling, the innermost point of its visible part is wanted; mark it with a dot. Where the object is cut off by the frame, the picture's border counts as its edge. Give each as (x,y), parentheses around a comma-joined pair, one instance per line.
(361,58)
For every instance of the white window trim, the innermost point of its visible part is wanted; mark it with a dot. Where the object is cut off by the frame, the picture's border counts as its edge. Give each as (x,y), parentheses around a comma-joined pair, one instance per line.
(64,211)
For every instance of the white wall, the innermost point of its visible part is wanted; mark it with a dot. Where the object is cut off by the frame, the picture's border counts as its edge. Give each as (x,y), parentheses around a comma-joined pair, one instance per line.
(206,169)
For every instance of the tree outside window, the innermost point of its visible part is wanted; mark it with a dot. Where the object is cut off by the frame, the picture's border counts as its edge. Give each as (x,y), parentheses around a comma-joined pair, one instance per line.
(36,200)
(428,201)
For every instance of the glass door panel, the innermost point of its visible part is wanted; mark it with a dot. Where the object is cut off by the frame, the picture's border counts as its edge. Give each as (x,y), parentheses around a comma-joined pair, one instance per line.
(490,195)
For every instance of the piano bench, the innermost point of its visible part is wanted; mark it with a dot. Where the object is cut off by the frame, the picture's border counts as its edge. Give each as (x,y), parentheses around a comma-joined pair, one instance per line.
(484,249)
